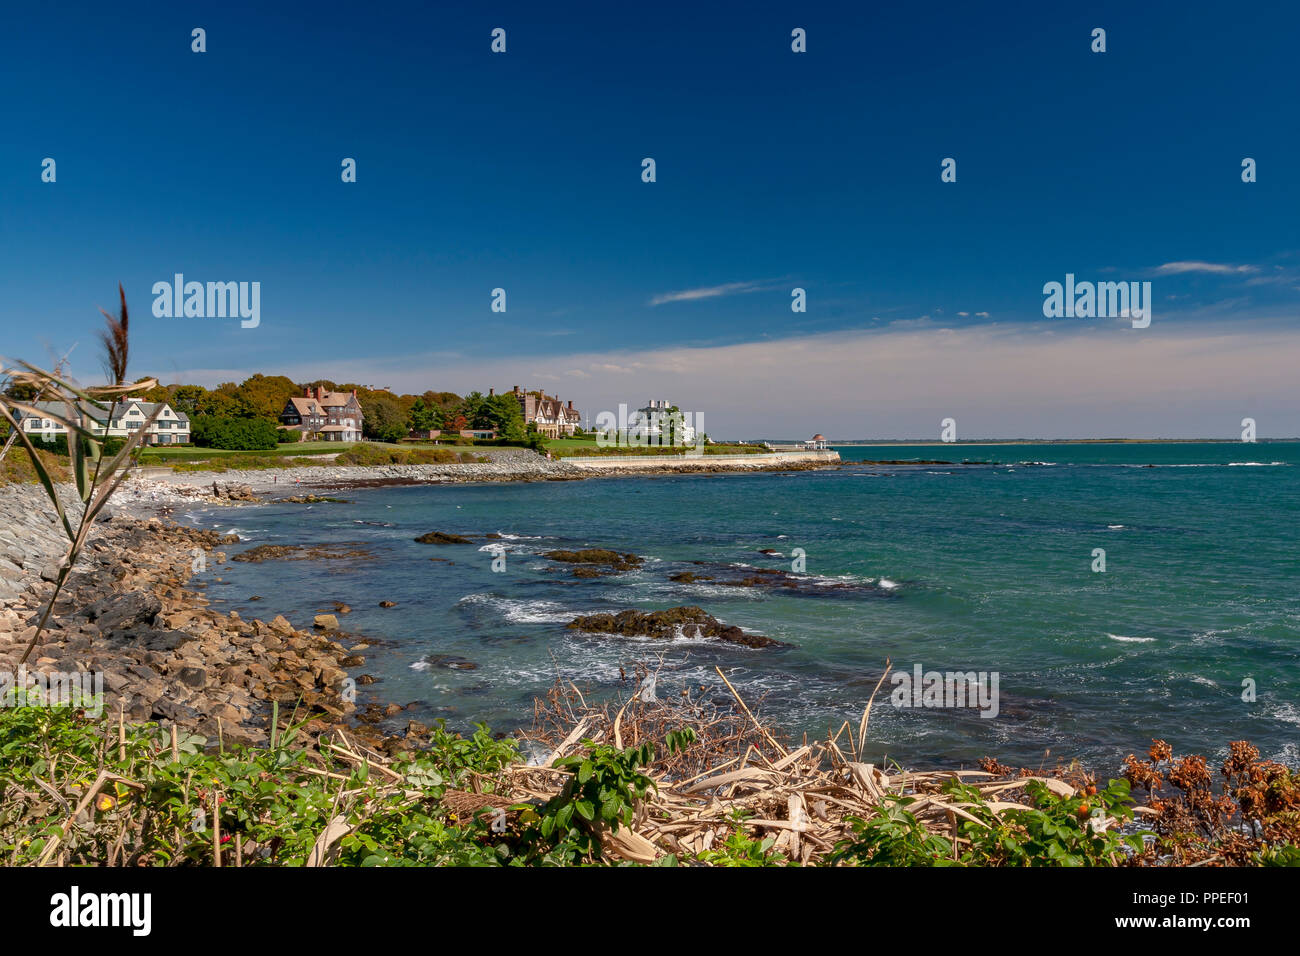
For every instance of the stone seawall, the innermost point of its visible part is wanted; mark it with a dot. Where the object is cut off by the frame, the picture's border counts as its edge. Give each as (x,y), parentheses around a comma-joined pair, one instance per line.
(778,461)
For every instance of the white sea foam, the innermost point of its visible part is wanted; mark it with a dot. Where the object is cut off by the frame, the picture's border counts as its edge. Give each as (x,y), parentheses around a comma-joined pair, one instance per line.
(888,584)
(496,547)
(522,612)
(1130,640)
(1285,712)
(655,590)
(679,640)
(1214,464)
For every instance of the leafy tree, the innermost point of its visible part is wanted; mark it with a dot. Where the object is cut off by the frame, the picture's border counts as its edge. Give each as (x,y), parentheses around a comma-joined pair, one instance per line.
(265,395)
(185,398)
(385,419)
(21,391)
(159,393)
(503,413)
(473,408)
(425,416)
(327,385)
(446,401)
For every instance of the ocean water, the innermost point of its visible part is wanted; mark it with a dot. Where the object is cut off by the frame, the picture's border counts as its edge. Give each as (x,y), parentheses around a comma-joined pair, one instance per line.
(985,566)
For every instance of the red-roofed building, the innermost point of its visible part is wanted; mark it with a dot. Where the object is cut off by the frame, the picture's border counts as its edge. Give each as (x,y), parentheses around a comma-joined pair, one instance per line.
(322,415)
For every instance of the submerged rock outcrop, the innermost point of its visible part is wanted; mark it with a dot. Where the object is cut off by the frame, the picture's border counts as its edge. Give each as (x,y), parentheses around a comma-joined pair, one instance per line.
(671,624)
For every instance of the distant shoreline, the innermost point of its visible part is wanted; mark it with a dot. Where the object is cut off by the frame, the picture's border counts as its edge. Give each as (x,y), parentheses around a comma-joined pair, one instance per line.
(1061,441)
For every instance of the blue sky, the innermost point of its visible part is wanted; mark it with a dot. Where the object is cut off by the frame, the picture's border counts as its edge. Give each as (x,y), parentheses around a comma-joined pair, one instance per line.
(774,170)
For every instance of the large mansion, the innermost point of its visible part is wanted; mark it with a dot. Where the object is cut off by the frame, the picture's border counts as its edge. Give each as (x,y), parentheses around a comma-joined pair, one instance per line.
(322,415)
(123,418)
(552,417)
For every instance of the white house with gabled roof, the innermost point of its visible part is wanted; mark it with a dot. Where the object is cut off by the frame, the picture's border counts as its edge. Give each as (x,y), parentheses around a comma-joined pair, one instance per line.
(121,419)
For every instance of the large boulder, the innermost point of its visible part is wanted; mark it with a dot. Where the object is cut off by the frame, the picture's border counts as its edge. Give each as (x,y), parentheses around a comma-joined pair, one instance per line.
(442,537)
(124,612)
(671,624)
(596,562)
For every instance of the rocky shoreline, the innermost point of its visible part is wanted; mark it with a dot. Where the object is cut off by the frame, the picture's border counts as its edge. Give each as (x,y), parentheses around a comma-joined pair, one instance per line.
(506,464)
(130,617)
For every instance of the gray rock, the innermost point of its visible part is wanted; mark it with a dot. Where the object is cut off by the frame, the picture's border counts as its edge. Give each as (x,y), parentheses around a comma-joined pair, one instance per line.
(195,677)
(119,612)
(171,710)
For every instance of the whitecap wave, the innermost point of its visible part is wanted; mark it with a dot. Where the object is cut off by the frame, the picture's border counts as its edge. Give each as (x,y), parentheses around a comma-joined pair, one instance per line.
(522,612)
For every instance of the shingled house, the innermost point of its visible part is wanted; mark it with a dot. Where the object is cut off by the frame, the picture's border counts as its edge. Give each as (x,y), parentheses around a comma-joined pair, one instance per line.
(552,417)
(322,415)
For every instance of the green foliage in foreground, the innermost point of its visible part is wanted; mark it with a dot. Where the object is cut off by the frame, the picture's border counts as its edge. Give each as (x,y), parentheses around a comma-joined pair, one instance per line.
(1055,831)
(276,801)
(159,806)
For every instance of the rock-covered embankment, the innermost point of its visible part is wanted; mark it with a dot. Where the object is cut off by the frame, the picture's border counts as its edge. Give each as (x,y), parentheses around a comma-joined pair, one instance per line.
(127,614)
(505,464)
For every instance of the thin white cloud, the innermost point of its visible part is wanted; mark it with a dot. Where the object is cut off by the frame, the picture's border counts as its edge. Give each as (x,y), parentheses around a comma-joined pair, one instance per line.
(708,292)
(1212,268)
(1055,378)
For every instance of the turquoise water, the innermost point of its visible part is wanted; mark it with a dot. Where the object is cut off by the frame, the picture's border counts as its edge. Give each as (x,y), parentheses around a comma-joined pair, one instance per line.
(976,567)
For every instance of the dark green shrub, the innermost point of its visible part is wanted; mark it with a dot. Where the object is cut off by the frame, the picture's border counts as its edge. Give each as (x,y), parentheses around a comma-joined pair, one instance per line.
(236,434)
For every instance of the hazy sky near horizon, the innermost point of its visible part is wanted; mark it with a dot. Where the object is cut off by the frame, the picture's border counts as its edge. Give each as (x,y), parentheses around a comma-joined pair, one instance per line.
(775,170)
